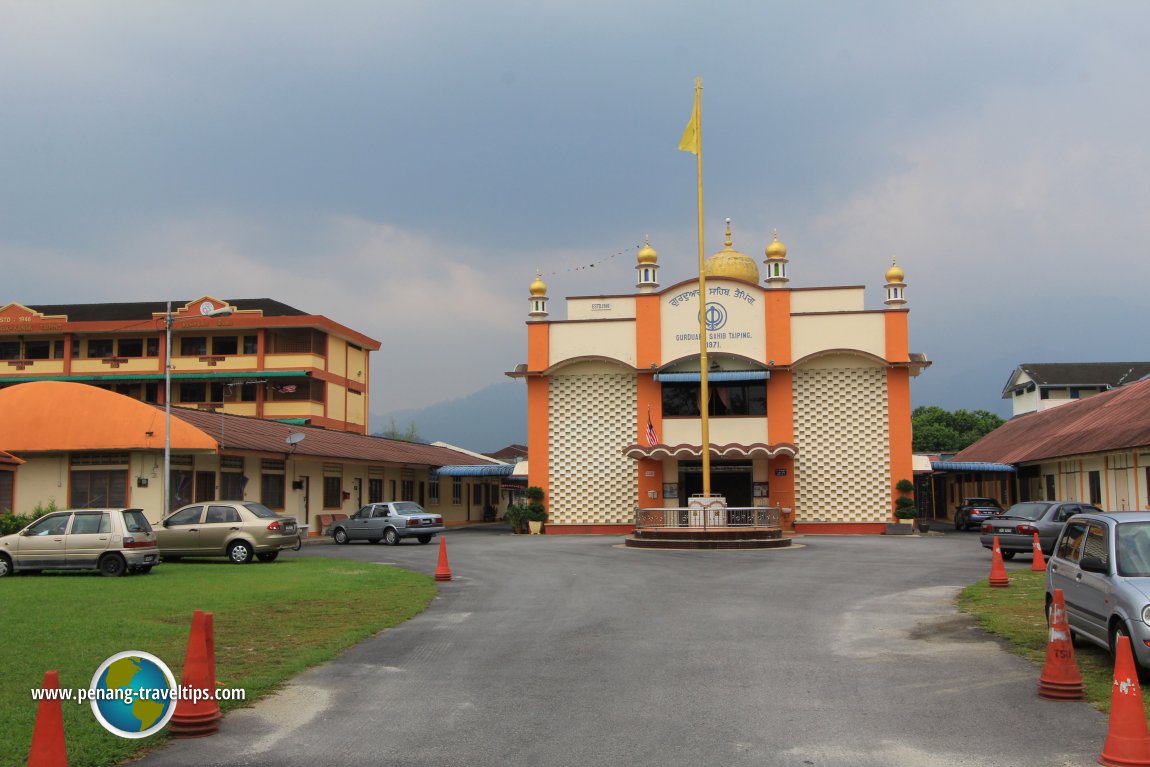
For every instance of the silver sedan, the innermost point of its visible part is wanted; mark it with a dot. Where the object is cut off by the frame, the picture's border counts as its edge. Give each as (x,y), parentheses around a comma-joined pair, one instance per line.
(1015,528)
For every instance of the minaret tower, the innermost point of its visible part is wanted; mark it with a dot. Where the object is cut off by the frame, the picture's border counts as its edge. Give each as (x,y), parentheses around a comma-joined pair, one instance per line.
(895,287)
(538,298)
(776,263)
(648,269)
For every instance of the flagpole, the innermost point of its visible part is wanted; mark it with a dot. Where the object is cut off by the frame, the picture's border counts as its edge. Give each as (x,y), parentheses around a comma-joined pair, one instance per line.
(704,390)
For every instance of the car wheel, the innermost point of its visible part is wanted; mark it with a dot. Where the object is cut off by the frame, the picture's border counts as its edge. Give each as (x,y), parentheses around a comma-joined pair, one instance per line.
(391,536)
(340,535)
(240,553)
(1118,630)
(5,566)
(1008,554)
(958,522)
(113,566)
(425,539)
(267,556)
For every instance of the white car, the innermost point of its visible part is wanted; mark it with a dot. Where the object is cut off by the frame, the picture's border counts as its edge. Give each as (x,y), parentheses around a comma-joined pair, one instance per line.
(113,541)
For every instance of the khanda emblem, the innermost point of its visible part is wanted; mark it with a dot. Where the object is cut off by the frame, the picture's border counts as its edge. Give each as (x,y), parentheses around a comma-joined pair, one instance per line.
(716,316)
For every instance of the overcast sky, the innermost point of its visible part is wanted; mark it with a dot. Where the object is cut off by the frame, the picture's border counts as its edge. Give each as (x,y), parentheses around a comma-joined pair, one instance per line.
(405,167)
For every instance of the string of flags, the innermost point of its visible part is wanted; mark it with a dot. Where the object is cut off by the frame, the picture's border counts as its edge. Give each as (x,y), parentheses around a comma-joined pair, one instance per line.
(593,264)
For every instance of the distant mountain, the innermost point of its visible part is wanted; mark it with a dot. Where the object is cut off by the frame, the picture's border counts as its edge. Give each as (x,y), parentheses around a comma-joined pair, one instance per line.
(486,421)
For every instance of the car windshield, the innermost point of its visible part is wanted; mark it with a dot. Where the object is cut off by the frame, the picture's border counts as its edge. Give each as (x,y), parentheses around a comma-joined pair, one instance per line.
(1027,510)
(408,507)
(1133,546)
(261,511)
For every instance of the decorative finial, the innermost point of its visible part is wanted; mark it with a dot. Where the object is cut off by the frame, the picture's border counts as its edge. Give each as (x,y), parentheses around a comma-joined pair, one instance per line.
(728,233)
(647,240)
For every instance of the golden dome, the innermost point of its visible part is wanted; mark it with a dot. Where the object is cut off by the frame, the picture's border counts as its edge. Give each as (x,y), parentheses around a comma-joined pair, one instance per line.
(894,274)
(776,249)
(648,255)
(539,287)
(731,263)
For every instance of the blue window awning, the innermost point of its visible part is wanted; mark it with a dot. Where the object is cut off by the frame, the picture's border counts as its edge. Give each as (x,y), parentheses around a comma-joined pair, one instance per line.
(717,376)
(480,470)
(970,466)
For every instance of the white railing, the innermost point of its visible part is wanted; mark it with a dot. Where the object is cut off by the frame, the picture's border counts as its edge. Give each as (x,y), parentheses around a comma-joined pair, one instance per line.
(732,516)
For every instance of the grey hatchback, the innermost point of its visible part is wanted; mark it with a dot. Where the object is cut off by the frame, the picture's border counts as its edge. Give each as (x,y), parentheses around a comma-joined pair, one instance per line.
(113,541)
(1102,564)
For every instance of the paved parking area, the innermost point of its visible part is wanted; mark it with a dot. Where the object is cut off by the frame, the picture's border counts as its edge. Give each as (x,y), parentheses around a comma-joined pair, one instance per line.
(572,650)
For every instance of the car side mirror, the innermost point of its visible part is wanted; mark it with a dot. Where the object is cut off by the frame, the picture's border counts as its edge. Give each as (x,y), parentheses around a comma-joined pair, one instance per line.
(25,532)
(1092,564)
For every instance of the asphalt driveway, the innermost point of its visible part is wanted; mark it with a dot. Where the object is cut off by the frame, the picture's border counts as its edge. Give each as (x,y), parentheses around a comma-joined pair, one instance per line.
(572,650)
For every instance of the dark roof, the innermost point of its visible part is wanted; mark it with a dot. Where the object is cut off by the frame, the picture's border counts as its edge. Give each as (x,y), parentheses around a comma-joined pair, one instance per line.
(1113,420)
(145,310)
(245,433)
(1079,373)
(509,453)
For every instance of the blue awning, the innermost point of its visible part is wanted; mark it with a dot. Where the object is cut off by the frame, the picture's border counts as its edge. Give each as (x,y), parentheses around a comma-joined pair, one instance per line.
(714,375)
(970,466)
(480,470)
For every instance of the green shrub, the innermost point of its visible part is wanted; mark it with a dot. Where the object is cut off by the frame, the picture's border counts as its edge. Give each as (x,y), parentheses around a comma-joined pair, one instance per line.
(904,507)
(516,516)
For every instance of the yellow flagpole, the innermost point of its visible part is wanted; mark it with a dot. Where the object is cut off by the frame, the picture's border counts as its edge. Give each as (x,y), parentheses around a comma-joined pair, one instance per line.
(692,141)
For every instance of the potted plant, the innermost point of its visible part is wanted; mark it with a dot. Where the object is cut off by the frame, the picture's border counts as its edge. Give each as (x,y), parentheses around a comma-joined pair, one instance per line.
(904,508)
(516,516)
(536,513)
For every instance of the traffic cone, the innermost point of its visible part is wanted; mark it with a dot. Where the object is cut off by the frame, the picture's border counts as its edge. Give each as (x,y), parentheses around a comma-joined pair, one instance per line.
(1127,743)
(1038,563)
(194,717)
(443,570)
(998,578)
(48,748)
(1060,678)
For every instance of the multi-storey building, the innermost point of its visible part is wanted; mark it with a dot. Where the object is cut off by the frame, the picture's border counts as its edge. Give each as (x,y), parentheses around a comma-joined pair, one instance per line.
(254,357)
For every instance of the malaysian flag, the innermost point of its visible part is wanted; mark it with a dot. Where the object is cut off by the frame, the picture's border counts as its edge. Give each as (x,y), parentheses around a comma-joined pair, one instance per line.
(652,437)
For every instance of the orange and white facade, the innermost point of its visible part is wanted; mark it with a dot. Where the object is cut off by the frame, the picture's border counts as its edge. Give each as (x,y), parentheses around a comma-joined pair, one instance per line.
(261,358)
(809,397)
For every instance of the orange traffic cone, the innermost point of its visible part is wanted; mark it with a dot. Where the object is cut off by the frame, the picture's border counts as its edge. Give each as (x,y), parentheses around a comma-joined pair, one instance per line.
(1128,742)
(998,578)
(1038,563)
(1060,678)
(443,570)
(48,748)
(195,716)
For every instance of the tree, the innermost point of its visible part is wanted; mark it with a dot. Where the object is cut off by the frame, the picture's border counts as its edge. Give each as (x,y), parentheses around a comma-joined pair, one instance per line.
(941,431)
(394,431)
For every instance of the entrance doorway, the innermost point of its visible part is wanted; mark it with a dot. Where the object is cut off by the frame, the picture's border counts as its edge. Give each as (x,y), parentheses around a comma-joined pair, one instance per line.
(732,480)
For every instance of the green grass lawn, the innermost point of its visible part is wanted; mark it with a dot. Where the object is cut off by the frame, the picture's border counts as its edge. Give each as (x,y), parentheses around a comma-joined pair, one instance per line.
(271,621)
(1018,615)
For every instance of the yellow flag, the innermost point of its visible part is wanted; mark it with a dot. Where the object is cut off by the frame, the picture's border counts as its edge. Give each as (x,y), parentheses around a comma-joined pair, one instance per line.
(690,140)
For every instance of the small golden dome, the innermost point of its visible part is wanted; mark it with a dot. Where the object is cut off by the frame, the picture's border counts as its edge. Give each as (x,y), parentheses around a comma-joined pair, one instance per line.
(647,254)
(731,263)
(776,249)
(894,274)
(539,287)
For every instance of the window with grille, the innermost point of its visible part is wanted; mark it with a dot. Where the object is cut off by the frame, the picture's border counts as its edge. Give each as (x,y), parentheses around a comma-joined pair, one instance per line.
(6,483)
(456,490)
(96,488)
(332,492)
(433,490)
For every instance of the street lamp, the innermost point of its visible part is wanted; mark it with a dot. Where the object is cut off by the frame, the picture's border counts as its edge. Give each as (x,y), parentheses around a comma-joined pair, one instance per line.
(207,309)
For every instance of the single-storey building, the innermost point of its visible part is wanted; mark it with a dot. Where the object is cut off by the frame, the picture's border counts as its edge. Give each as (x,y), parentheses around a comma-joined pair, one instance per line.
(82,446)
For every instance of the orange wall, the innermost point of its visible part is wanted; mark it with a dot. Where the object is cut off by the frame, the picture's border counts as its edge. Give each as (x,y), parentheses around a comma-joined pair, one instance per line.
(648,351)
(538,410)
(898,414)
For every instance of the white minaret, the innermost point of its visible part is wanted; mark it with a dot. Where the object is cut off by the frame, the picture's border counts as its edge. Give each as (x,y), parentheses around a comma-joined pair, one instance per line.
(895,287)
(647,269)
(776,263)
(538,298)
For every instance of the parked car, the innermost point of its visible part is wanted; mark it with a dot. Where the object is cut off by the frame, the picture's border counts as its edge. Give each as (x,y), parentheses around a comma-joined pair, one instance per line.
(972,512)
(1102,564)
(1016,526)
(239,530)
(389,522)
(113,541)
